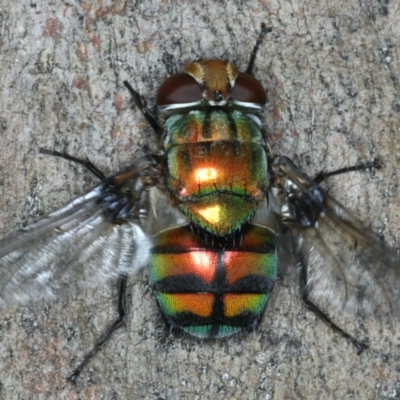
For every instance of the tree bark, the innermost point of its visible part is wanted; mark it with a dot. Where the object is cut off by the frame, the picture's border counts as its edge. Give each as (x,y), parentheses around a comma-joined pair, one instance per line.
(331,70)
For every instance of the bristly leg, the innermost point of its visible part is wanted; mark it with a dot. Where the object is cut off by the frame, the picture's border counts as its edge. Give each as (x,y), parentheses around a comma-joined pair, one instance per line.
(107,334)
(86,163)
(360,345)
(362,166)
(141,104)
(264,31)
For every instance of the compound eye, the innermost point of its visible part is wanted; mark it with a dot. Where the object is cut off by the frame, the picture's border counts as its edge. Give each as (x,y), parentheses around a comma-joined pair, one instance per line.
(248,89)
(180,88)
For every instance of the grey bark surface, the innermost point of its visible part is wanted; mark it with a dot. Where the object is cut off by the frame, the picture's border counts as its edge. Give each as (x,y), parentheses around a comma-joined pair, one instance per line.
(331,70)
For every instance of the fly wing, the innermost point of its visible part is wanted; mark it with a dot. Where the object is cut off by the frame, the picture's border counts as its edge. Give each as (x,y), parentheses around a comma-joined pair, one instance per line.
(95,237)
(345,265)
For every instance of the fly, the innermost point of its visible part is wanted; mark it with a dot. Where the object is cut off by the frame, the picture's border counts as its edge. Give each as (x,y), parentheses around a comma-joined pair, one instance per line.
(213,214)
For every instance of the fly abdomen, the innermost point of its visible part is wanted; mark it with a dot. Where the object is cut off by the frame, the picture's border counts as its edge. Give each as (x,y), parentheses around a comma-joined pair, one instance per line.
(208,291)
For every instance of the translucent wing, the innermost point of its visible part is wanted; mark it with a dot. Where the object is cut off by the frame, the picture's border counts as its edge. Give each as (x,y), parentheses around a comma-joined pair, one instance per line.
(93,238)
(346,266)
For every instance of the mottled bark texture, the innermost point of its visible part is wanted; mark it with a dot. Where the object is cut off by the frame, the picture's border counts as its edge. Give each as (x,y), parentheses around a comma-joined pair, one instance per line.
(331,69)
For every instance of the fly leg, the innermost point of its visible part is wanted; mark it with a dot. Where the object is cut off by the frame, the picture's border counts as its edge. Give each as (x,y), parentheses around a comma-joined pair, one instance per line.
(363,166)
(107,334)
(360,345)
(86,163)
(141,104)
(264,31)
(302,205)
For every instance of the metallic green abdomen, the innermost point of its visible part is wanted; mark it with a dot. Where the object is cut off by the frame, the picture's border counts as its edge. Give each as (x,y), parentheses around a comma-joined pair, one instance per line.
(210,291)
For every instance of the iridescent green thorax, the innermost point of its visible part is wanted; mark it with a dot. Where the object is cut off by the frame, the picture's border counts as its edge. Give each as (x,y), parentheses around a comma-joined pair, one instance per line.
(217,167)
(211,125)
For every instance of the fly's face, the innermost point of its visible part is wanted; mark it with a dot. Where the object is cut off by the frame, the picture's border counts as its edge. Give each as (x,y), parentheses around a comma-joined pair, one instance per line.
(210,83)
(189,211)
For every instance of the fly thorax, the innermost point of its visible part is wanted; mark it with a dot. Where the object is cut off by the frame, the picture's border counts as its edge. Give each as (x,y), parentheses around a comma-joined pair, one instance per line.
(217,167)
